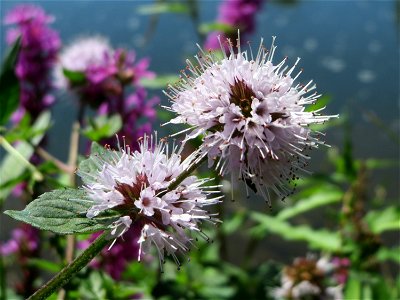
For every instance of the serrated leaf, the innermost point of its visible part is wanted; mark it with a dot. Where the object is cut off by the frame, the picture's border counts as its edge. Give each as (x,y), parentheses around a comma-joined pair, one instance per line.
(9,84)
(317,239)
(90,166)
(10,166)
(387,219)
(160,82)
(62,212)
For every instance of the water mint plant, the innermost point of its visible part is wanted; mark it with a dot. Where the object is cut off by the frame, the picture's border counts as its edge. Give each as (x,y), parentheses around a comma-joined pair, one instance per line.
(132,214)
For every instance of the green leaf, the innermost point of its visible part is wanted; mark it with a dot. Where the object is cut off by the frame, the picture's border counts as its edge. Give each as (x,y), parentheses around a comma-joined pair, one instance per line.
(75,77)
(102,127)
(10,167)
(323,197)
(317,239)
(392,254)
(9,84)
(160,82)
(44,265)
(215,26)
(321,103)
(160,8)
(232,224)
(387,219)
(90,166)
(372,163)
(353,288)
(62,212)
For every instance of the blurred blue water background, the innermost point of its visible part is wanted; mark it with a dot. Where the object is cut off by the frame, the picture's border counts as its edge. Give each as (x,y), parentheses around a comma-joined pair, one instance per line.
(350,49)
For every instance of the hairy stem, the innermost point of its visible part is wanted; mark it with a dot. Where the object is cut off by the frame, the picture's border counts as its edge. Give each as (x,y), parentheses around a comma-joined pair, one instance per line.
(70,270)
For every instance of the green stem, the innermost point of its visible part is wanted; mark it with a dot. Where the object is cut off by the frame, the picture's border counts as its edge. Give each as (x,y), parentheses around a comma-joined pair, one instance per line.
(82,260)
(10,149)
(70,270)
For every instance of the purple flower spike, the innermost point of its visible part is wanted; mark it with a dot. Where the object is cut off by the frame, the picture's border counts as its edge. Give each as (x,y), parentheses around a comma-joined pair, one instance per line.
(239,14)
(39,47)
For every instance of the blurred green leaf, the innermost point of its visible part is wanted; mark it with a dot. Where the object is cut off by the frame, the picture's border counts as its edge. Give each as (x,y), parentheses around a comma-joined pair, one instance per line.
(9,84)
(322,102)
(62,212)
(387,219)
(160,82)
(215,26)
(317,239)
(160,8)
(353,288)
(102,127)
(372,163)
(231,225)
(93,288)
(75,77)
(25,131)
(10,166)
(322,197)
(392,254)
(44,265)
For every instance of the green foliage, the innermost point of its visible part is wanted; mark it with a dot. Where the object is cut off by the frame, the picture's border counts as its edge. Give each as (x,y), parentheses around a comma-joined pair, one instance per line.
(215,26)
(44,265)
(62,212)
(102,127)
(90,165)
(9,84)
(160,82)
(321,196)
(74,77)
(316,239)
(387,219)
(386,254)
(322,102)
(162,8)
(11,168)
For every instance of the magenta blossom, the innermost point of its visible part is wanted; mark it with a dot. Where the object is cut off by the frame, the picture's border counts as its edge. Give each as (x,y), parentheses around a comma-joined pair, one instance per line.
(240,14)
(39,47)
(24,240)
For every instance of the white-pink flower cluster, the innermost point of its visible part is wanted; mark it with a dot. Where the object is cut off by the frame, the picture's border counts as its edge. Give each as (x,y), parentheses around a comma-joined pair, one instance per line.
(309,278)
(252,115)
(80,55)
(138,186)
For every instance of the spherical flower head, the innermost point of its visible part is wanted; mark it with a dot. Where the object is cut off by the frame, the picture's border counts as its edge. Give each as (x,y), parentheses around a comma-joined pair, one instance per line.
(252,114)
(82,54)
(137,185)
